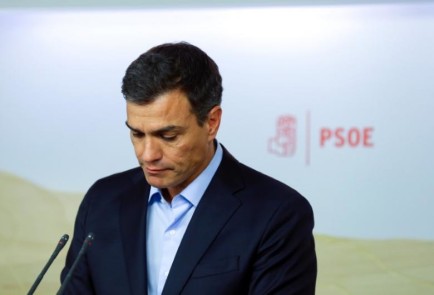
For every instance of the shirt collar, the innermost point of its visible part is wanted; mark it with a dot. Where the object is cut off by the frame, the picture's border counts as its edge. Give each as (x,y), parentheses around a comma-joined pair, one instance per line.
(195,190)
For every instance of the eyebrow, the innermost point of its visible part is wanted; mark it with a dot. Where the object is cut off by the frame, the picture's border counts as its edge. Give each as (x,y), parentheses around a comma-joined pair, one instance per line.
(158,131)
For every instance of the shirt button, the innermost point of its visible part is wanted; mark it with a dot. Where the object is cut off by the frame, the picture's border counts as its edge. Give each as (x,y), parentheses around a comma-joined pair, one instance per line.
(166,273)
(172,232)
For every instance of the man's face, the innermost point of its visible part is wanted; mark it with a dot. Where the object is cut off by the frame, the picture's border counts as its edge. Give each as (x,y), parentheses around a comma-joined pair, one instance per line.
(171,147)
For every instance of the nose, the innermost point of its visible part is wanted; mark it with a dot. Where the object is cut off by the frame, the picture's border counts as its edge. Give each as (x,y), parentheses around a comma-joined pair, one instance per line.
(150,151)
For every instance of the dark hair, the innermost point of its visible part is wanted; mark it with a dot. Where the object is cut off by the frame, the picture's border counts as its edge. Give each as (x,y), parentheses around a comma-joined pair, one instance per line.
(173,66)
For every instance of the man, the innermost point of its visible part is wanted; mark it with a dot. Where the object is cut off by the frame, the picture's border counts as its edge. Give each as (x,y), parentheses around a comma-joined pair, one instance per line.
(191,219)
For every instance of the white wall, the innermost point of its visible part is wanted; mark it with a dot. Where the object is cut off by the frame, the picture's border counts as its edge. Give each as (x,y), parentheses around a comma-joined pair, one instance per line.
(351,67)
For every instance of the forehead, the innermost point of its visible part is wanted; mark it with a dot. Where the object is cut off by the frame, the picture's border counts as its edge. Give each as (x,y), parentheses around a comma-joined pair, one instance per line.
(170,108)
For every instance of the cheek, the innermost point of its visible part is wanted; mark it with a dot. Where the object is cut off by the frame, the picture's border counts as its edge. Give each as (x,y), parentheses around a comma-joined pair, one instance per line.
(194,154)
(177,154)
(182,156)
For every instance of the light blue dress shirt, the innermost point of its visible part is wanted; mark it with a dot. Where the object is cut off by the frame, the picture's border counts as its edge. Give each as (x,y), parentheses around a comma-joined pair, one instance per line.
(167,223)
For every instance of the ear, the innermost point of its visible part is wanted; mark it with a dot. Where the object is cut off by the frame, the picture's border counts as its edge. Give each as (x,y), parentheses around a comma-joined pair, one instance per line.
(213,122)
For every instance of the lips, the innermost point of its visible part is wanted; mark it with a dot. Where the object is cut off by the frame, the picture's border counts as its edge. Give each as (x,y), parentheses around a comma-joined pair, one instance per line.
(155,170)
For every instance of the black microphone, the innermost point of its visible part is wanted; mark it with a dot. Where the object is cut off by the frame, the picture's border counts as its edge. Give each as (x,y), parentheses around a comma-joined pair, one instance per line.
(62,242)
(87,242)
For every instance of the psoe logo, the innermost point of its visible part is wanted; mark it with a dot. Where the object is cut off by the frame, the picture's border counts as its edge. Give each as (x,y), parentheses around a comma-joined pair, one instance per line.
(284,142)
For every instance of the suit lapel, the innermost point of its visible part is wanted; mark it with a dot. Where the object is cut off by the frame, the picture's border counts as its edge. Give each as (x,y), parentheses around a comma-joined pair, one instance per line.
(215,208)
(133,230)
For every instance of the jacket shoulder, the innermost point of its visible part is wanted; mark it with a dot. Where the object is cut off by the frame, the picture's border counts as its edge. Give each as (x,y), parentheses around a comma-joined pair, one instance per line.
(259,186)
(131,175)
(117,184)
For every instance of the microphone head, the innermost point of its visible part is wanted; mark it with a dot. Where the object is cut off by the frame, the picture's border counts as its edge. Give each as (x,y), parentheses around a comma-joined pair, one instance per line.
(62,242)
(90,237)
(64,239)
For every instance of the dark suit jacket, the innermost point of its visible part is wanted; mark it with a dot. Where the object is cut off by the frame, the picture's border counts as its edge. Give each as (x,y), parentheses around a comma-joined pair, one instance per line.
(250,234)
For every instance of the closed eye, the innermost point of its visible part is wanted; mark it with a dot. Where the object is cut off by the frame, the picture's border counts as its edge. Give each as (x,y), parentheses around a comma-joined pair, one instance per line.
(168,137)
(137,134)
